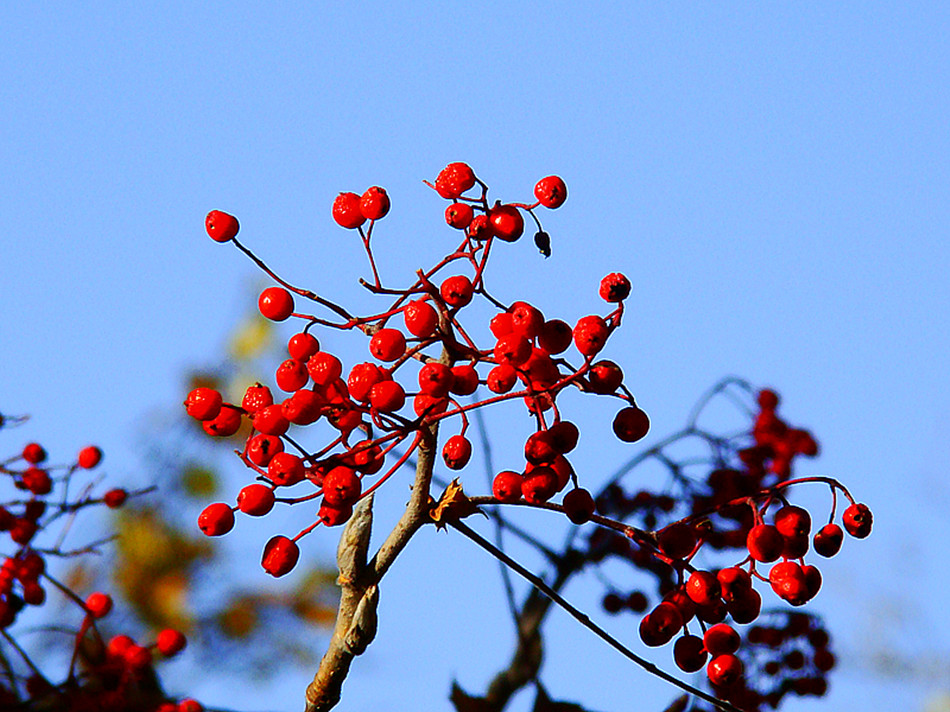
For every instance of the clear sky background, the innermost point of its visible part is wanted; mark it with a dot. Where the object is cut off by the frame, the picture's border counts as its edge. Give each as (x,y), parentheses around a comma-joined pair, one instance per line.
(772,177)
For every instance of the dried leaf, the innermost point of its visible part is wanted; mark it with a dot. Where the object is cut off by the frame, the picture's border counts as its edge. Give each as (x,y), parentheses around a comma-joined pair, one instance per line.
(452,506)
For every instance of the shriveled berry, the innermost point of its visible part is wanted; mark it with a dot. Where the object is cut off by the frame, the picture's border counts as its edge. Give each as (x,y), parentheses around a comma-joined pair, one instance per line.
(374,203)
(280,556)
(276,303)
(551,191)
(221,227)
(216,519)
(346,211)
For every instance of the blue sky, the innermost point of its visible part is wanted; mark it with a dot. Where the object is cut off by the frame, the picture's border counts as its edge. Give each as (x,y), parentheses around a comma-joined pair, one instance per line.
(772,178)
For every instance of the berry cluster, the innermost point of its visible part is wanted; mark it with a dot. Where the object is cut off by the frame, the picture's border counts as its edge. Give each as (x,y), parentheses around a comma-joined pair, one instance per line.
(733,509)
(424,360)
(114,677)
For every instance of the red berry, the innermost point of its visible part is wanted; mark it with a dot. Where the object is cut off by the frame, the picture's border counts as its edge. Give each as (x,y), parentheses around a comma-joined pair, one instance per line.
(374,203)
(341,486)
(564,436)
(221,227)
(555,336)
(362,378)
(480,228)
(137,657)
(578,505)
(660,625)
(768,399)
(256,397)
(501,378)
(788,581)
(285,469)
(367,460)
(280,556)
(256,499)
(216,519)
(539,448)
(203,403)
(226,423)
(828,540)
(793,521)
(115,498)
(604,377)
(261,448)
(346,211)
(689,654)
(540,484)
(551,192)
(291,375)
(456,452)
(276,303)
(34,453)
(703,588)
(857,520)
(37,481)
(506,486)
(677,540)
(631,424)
(454,180)
(506,222)
(513,349)
(271,420)
(189,705)
(590,334)
(615,287)
(388,344)
(89,457)
(436,379)
(765,543)
(464,380)
(324,368)
(170,642)
(459,215)
(302,408)
(425,404)
(526,319)
(99,604)
(457,291)
(421,318)
(334,516)
(387,396)
(746,607)
(724,670)
(118,645)
(302,346)
(721,639)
